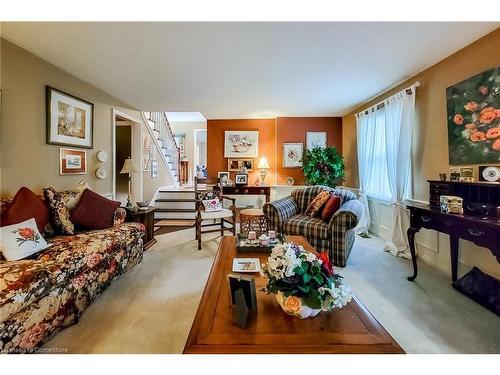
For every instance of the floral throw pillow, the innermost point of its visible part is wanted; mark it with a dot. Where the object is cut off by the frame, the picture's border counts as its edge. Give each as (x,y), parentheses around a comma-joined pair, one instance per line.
(59,212)
(318,202)
(212,205)
(18,241)
(72,197)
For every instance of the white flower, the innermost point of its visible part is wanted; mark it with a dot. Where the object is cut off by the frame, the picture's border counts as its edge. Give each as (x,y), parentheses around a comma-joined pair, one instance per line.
(310,257)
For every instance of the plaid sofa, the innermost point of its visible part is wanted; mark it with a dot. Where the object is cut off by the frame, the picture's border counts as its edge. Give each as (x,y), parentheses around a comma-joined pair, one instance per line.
(337,236)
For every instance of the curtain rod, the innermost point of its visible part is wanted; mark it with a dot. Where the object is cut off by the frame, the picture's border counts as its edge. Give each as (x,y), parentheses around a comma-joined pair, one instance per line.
(381,103)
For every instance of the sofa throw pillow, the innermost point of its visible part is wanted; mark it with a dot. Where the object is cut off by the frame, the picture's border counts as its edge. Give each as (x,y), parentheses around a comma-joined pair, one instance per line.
(59,213)
(331,206)
(318,202)
(26,205)
(212,205)
(94,211)
(21,240)
(72,197)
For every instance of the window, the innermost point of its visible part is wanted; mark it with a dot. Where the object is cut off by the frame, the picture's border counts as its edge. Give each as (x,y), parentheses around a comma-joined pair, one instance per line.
(372,156)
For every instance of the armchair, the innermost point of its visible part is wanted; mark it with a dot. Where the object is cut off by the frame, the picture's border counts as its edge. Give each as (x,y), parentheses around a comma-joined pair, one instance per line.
(336,236)
(209,219)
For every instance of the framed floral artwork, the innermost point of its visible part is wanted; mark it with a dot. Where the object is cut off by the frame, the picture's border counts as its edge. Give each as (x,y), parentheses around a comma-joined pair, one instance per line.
(70,120)
(473,108)
(241,144)
(315,139)
(72,161)
(292,155)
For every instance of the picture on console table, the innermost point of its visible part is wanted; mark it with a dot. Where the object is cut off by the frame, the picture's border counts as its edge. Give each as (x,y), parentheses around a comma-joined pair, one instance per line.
(69,119)
(241,144)
(474,119)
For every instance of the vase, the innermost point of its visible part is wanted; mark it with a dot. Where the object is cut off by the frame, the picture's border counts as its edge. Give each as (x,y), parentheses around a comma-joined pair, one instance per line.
(295,306)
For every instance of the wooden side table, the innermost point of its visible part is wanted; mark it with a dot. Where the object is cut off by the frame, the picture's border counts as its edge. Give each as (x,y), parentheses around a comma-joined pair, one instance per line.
(253,219)
(146,217)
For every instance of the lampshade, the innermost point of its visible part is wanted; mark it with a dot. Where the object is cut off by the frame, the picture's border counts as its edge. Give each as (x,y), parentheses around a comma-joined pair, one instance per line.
(263,164)
(129,167)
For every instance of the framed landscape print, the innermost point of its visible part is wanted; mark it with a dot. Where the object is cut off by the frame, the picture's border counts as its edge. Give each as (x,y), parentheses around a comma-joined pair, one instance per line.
(72,161)
(180,140)
(474,119)
(70,120)
(315,139)
(235,165)
(292,155)
(241,144)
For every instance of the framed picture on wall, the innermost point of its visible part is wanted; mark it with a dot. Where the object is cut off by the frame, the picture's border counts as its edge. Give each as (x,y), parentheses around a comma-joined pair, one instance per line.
(180,140)
(235,165)
(70,120)
(315,139)
(241,144)
(154,168)
(292,155)
(72,161)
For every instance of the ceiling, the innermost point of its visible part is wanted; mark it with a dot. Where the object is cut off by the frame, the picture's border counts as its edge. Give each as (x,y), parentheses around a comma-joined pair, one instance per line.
(185,117)
(245,70)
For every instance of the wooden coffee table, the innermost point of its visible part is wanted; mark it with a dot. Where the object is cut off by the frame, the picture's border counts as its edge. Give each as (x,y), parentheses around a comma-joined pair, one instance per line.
(349,330)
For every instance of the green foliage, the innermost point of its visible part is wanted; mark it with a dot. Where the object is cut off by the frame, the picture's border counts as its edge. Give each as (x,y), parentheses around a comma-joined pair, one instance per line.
(323,166)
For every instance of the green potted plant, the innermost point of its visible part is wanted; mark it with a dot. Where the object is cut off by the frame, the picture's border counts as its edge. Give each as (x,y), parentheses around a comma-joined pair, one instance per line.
(323,166)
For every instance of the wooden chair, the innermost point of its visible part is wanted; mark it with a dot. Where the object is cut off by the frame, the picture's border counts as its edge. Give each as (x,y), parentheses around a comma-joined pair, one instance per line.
(224,215)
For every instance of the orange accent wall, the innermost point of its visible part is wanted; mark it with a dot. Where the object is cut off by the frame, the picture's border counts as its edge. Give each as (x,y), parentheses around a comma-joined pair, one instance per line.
(267,140)
(293,130)
(272,134)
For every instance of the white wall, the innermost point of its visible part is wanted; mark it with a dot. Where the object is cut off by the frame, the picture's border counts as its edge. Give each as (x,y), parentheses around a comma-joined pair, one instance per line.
(434,247)
(188,127)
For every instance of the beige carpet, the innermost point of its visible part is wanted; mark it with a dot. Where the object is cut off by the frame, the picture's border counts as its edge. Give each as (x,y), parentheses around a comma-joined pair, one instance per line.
(150,309)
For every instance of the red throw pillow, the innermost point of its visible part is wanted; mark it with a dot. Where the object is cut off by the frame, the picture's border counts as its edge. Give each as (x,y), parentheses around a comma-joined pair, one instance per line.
(331,206)
(94,211)
(26,205)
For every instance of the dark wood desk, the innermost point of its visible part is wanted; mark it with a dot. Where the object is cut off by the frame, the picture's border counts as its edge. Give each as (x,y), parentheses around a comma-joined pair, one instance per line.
(247,190)
(479,230)
(351,329)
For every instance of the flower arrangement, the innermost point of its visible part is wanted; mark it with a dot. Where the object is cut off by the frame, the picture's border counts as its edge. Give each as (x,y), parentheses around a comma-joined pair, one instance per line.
(304,284)
(474,119)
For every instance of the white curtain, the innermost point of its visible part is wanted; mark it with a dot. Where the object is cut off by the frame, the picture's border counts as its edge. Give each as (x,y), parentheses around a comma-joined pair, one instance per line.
(365,128)
(399,121)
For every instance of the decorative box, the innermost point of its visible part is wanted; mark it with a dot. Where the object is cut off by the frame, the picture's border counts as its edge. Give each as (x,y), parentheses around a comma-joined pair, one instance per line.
(451,204)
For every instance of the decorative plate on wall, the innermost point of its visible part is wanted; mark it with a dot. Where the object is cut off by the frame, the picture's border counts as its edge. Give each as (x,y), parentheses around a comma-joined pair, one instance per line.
(101,173)
(102,156)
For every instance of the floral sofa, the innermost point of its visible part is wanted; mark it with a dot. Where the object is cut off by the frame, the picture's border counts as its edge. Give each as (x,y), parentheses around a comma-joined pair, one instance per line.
(49,291)
(336,236)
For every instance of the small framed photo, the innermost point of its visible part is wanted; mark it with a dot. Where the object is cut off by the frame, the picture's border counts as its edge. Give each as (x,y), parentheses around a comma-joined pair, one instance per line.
(315,139)
(70,120)
(246,265)
(292,155)
(247,285)
(154,168)
(241,179)
(235,165)
(223,177)
(72,161)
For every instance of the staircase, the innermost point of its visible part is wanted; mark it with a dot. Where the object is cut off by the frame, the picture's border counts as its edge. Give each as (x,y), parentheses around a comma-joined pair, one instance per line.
(175,205)
(163,138)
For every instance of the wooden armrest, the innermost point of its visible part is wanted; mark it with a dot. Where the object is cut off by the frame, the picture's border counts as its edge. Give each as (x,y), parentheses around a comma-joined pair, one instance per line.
(229,198)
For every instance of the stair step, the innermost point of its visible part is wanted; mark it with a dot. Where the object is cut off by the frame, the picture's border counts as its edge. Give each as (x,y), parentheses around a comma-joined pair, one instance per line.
(175,210)
(175,200)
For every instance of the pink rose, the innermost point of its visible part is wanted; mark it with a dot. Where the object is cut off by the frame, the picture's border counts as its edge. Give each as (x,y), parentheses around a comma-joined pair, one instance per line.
(458,119)
(32,336)
(93,260)
(79,281)
(471,106)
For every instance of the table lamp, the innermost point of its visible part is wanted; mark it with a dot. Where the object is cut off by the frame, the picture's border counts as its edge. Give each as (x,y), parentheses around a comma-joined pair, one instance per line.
(263,166)
(129,167)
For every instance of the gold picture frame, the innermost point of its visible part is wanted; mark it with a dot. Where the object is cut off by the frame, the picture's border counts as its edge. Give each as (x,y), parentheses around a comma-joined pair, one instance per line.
(234,165)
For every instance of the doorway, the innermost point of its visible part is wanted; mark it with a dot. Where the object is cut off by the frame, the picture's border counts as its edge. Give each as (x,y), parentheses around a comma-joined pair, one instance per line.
(127,143)
(200,153)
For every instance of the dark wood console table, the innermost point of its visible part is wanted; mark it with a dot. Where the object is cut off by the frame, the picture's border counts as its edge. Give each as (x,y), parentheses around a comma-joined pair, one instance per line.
(481,228)
(248,190)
